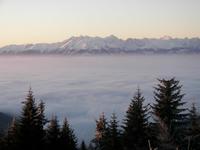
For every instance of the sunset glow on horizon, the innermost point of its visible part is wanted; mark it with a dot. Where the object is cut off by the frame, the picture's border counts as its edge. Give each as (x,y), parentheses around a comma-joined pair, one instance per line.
(33,21)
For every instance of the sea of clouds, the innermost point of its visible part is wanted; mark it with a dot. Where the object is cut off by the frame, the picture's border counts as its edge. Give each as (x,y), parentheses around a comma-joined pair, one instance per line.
(80,88)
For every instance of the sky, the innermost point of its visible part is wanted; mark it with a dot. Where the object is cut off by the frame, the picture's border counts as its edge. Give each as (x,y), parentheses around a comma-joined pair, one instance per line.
(33,21)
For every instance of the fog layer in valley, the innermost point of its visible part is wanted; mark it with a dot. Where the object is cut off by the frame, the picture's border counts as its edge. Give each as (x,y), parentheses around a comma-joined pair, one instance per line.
(80,88)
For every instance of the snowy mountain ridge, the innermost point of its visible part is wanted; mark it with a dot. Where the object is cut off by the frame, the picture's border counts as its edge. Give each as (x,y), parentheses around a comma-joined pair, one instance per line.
(108,45)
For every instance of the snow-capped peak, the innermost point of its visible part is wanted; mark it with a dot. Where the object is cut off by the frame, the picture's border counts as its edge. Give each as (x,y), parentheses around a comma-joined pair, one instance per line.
(109,44)
(166,37)
(113,37)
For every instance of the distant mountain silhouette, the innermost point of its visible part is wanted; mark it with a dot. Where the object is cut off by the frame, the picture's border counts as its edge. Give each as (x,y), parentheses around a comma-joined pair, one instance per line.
(108,45)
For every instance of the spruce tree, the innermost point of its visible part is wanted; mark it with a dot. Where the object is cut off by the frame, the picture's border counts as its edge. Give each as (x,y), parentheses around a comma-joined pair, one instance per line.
(28,127)
(53,134)
(67,137)
(101,136)
(40,123)
(27,132)
(193,135)
(136,124)
(10,141)
(169,112)
(114,136)
(83,146)
(91,145)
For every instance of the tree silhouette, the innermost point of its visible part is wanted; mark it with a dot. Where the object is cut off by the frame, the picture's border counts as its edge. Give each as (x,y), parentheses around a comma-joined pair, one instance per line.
(172,128)
(114,137)
(53,134)
(28,124)
(67,137)
(194,129)
(169,112)
(136,124)
(83,146)
(101,136)
(10,142)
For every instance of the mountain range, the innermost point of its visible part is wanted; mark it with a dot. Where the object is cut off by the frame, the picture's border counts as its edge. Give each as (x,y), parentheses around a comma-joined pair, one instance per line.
(86,45)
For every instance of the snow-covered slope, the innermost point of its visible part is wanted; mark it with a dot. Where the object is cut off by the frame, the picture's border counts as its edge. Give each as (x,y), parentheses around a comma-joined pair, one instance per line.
(108,45)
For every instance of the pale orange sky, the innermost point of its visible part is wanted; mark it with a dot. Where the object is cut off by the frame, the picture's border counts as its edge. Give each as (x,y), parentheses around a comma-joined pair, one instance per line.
(32,21)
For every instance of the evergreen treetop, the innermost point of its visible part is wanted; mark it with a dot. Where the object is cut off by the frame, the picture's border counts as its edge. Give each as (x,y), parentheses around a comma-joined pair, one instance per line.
(67,137)
(170,115)
(136,124)
(114,136)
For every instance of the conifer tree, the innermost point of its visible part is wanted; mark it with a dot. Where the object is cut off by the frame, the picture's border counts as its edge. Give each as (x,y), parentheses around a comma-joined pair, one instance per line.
(91,145)
(169,112)
(28,131)
(67,137)
(53,134)
(194,129)
(136,124)
(10,140)
(114,136)
(83,146)
(40,123)
(101,136)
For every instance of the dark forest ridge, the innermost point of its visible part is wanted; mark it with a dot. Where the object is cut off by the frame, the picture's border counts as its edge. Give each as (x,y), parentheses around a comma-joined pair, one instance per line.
(84,45)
